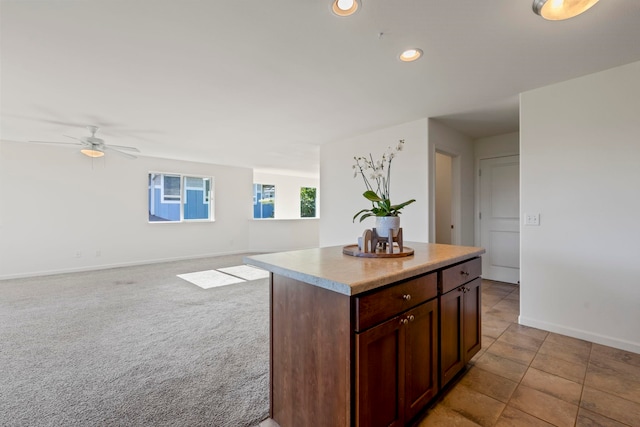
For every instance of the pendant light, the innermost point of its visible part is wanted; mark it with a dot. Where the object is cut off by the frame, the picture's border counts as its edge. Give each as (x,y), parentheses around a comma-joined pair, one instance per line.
(557,10)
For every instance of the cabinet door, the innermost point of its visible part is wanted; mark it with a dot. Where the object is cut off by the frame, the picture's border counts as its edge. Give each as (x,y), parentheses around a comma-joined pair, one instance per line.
(451,350)
(380,375)
(421,357)
(472,319)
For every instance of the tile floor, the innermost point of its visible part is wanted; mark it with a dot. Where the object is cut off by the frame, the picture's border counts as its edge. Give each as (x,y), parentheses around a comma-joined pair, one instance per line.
(528,377)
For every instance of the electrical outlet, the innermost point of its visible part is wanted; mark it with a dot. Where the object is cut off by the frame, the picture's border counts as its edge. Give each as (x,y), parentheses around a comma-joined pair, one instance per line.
(532,219)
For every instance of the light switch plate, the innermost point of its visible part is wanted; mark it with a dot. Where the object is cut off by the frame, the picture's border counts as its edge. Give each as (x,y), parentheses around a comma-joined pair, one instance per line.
(532,219)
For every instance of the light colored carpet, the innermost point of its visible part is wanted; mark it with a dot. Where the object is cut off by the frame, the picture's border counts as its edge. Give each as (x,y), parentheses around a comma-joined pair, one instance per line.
(246,272)
(210,279)
(134,346)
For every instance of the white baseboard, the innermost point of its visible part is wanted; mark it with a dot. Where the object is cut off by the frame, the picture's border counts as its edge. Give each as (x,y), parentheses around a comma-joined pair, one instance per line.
(581,334)
(114,265)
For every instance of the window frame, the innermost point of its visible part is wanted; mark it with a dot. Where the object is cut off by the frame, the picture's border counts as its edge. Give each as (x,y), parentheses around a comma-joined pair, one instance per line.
(208,196)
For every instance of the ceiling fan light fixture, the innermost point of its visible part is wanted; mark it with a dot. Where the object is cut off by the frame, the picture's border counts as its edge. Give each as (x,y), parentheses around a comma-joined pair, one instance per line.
(411,55)
(345,7)
(92,152)
(558,10)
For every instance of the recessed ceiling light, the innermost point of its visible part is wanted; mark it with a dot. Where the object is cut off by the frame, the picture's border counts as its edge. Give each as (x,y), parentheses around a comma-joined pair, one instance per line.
(557,10)
(410,55)
(345,7)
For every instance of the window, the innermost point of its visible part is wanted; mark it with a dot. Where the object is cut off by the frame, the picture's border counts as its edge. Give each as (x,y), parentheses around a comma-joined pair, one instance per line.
(307,202)
(176,198)
(264,200)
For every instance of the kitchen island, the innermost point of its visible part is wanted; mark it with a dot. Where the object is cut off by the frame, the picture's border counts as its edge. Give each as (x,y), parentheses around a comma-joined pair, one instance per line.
(368,341)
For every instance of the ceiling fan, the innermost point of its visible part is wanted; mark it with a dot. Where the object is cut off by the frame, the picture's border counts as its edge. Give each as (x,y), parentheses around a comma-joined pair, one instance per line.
(93,146)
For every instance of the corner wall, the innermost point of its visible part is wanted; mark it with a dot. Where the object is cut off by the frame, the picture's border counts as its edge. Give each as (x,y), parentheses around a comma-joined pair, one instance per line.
(580,151)
(342,193)
(449,141)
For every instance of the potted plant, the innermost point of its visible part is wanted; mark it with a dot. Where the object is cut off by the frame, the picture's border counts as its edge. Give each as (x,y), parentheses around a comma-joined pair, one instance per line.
(377,180)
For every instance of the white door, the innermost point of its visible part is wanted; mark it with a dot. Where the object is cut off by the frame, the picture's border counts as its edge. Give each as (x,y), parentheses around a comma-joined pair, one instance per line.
(500,218)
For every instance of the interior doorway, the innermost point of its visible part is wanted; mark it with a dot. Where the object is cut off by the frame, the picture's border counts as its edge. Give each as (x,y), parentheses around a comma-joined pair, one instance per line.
(443,194)
(499,218)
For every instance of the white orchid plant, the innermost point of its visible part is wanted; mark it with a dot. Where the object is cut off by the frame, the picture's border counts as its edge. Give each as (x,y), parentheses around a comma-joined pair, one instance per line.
(377,180)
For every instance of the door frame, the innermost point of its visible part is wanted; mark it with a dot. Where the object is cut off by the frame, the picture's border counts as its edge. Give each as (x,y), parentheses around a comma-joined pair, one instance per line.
(456,193)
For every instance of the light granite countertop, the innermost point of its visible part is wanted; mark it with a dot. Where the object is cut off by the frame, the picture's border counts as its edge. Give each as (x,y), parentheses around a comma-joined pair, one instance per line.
(329,268)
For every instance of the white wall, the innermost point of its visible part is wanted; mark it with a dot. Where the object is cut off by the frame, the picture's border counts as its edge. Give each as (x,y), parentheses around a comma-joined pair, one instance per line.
(288,192)
(57,204)
(275,235)
(449,141)
(507,144)
(342,193)
(580,157)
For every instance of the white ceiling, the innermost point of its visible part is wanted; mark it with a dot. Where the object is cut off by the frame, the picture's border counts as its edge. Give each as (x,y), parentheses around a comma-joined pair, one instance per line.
(262,83)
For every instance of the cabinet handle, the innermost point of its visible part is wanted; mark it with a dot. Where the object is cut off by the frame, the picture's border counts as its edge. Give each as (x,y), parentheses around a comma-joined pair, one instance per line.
(411,318)
(461,289)
(406,297)
(464,273)
(403,321)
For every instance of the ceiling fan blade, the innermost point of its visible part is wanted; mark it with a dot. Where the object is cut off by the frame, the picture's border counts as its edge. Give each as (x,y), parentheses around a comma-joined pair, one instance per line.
(123,147)
(122,153)
(77,139)
(55,142)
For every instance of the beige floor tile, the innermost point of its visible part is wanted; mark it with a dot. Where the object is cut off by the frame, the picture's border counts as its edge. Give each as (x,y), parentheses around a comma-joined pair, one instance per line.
(513,352)
(441,416)
(520,340)
(554,385)
(528,331)
(487,341)
(608,379)
(477,407)
(544,406)
(499,365)
(512,417)
(569,341)
(489,301)
(508,305)
(507,316)
(565,352)
(591,419)
(611,406)
(569,370)
(616,367)
(492,326)
(504,286)
(599,351)
(495,292)
(488,383)
(515,296)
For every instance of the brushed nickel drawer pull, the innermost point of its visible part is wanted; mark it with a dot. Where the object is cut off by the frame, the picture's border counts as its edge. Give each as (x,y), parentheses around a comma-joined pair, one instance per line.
(406,297)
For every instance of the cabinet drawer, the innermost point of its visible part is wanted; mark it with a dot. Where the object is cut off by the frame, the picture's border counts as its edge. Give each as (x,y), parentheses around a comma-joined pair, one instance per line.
(455,276)
(378,306)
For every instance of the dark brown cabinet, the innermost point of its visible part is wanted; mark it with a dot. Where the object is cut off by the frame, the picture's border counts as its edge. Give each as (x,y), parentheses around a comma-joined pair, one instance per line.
(376,358)
(396,367)
(460,318)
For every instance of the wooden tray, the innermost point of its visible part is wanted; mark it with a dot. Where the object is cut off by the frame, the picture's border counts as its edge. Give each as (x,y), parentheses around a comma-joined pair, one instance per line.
(353,250)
